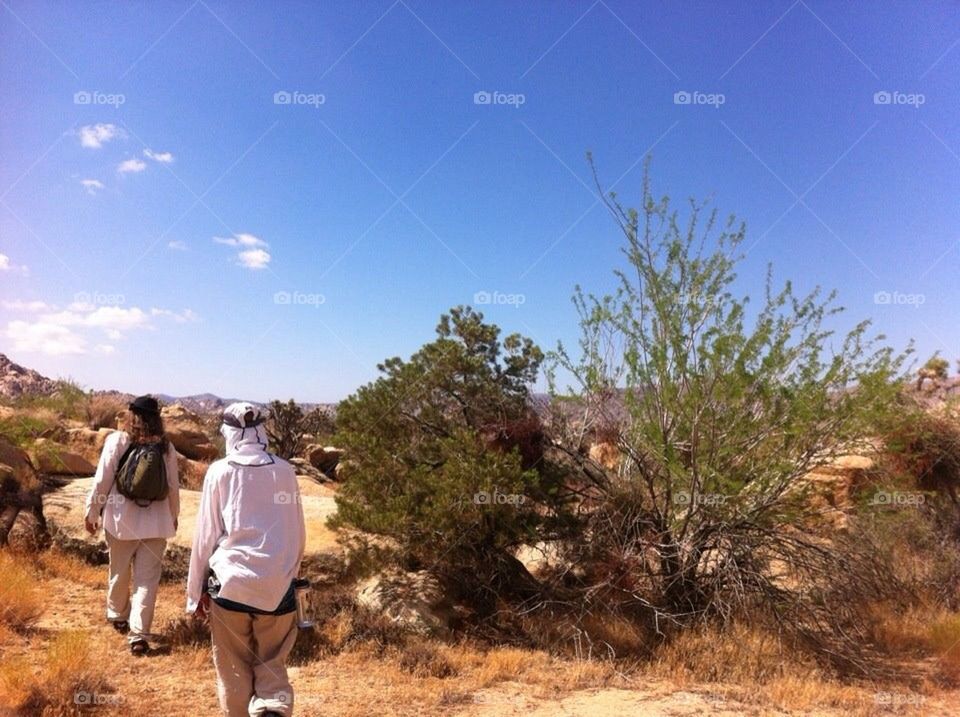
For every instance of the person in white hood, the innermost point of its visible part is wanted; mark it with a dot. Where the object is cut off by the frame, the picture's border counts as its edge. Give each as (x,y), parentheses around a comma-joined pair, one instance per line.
(247,549)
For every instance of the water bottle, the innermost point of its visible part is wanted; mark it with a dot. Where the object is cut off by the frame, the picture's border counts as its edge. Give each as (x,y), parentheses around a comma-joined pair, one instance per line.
(301,588)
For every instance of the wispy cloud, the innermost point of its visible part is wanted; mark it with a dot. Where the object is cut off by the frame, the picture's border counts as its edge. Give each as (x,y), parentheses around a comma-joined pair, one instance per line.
(177,245)
(131,165)
(92,186)
(241,240)
(32,306)
(45,338)
(162,157)
(253,254)
(94,136)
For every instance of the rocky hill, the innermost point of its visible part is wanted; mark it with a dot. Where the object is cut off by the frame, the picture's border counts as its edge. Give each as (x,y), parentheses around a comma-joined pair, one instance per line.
(15,380)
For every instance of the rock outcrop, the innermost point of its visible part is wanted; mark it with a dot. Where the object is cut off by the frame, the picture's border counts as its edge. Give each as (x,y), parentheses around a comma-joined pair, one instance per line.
(15,380)
(20,490)
(52,458)
(324,458)
(186,431)
(415,600)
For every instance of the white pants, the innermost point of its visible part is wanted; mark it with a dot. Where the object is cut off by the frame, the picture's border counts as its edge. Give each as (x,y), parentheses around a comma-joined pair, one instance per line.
(250,654)
(141,560)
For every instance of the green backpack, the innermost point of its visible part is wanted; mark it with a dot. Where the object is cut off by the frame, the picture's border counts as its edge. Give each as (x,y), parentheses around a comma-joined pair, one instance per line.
(142,475)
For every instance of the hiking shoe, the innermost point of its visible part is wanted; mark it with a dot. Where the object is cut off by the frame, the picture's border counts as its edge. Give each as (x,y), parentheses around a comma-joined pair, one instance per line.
(121,626)
(139,647)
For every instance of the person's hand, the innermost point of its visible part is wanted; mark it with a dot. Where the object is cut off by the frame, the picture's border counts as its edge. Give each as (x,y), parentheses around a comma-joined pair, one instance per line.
(203,607)
(91,527)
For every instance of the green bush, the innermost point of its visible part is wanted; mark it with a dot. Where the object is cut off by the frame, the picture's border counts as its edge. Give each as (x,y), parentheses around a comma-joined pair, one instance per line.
(726,407)
(444,457)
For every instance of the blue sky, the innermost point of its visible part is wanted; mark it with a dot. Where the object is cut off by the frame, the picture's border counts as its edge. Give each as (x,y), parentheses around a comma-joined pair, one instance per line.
(148,223)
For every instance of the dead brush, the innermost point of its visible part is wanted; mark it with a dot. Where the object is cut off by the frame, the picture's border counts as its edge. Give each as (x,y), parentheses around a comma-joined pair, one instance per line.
(21,602)
(421,659)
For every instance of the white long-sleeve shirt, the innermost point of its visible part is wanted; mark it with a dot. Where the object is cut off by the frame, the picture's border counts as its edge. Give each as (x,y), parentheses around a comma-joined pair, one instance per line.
(122,517)
(250,530)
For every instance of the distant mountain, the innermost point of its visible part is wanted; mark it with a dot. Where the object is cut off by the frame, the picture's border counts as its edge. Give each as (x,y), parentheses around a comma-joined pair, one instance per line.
(15,380)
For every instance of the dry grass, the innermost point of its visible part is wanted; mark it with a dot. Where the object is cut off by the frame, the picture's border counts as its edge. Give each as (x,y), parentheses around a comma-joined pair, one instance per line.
(21,601)
(943,637)
(57,563)
(67,680)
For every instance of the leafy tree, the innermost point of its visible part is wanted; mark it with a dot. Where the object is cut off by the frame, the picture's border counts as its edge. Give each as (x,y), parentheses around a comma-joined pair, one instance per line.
(288,425)
(720,410)
(444,457)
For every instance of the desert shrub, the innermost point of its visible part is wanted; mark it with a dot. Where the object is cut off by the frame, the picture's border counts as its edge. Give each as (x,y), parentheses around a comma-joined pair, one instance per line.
(23,429)
(289,424)
(21,602)
(721,412)
(67,400)
(444,461)
(101,411)
(926,448)
(187,631)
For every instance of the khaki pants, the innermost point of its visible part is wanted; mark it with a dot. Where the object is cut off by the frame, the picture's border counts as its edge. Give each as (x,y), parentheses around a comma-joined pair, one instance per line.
(250,654)
(142,560)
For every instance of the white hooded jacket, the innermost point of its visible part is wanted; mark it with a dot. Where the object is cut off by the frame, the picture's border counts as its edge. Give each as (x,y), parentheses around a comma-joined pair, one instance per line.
(250,530)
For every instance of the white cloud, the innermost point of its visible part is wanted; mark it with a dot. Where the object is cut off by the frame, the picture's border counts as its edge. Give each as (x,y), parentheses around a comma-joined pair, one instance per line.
(45,338)
(72,330)
(185,316)
(163,157)
(241,240)
(94,136)
(19,305)
(131,165)
(177,245)
(7,265)
(254,258)
(92,186)
(253,254)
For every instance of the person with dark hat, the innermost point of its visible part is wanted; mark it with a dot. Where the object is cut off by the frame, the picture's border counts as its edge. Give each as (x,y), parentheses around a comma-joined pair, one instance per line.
(135,498)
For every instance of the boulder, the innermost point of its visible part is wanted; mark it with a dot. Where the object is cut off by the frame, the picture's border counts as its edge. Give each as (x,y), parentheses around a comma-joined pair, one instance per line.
(56,459)
(190,472)
(20,489)
(606,454)
(87,442)
(186,431)
(415,600)
(324,458)
(305,470)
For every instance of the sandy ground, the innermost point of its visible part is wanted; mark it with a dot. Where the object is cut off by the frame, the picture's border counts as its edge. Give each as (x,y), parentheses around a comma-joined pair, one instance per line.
(64,508)
(182,682)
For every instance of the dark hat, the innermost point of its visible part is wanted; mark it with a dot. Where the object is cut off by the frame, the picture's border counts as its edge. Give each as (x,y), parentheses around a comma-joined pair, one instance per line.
(145,404)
